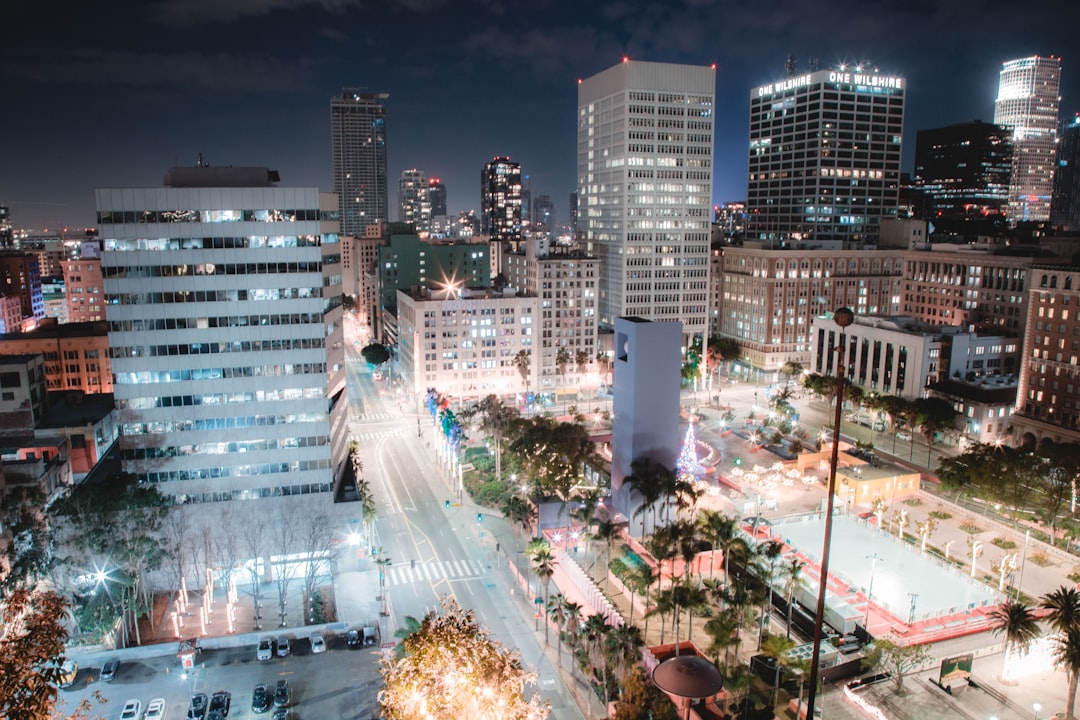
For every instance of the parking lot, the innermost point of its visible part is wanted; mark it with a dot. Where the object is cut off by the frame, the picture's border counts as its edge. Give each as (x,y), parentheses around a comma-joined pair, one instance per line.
(341,682)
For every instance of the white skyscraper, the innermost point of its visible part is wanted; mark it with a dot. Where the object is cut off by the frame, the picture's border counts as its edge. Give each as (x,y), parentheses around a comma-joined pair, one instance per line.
(1028,102)
(414,205)
(223,297)
(645,149)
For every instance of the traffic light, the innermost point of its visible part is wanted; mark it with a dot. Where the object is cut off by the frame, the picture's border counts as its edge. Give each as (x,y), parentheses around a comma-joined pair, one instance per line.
(737,461)
(447,505)
(479,517)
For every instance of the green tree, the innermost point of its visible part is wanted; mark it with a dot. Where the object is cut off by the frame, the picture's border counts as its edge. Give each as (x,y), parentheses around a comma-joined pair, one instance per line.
(25,540)
(901,659)
(652,482)
(933,415)
(581,359)
(722,532)
(793,571)
(521,361)
(777,647)
(638,581)
(791,369)
(1018,624)
(375,354)
(519,511)
(1064,618)
(607,531)
(453,667)
(496,418)
(32,644)
(543,564)
(721,629)
(1067,656)
(562,359)
(553,455)
(557,609)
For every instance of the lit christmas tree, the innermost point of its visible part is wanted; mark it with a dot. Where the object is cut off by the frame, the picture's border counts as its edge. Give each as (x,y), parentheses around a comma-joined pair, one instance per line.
(687,465)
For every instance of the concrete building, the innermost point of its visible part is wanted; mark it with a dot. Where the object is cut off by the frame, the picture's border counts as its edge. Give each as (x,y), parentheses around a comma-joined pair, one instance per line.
(1027,103)
(437,197)
(11,314)
(21,278)
(76,354)
(565,283)
(1048,397)
(1065,206)
(52,294)
(965,170)
(406,261)
(902,356)
(501,200)
(770,296)
(24,396)
(358,153)
(986,405)
(223,297)
(87,424)
(84,288)
(414,204)
(465,344)
(645,150)
(716,286)
(824,163)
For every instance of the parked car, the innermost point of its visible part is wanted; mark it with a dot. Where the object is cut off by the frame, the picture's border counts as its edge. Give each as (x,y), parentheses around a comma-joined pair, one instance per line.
(371,635)
(282,714)
(68,671)
(318,644)
(352,639)
(902,435)
(282,695)
(266,649)
(220,702)
(261,699)
(156,709)
(109,670)
(132,710)
(284,645)
(197,709)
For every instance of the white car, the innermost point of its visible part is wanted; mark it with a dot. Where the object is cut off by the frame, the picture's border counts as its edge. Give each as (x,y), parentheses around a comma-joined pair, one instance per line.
(156,709)
(266,649)
(132,710)
(903,436)
(318,644)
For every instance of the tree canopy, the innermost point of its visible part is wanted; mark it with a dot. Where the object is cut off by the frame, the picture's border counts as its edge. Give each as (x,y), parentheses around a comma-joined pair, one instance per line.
(375,354)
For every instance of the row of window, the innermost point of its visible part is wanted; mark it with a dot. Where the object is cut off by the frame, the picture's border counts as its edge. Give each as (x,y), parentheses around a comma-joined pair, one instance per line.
(147,403)
(248,494)
(220,243)
(223,448)
(185,270)
(221,423)
(236,471)
(188,323)
(133,351)
(129,217)
(188,296)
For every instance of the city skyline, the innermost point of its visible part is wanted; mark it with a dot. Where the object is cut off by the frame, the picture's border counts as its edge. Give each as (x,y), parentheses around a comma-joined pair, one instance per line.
(114,94)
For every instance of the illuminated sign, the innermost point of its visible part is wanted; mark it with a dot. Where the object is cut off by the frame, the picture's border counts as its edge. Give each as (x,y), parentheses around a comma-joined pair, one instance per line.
(869,80)
(833,76)
(788,84)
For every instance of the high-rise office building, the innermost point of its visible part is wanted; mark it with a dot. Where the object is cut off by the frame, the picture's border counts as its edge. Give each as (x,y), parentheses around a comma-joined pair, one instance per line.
(545,212)
(20,277)
(223,298)
(7,236)
(824,157)
(965,170)
(573,213)
(645,148)
(414,206)
(1027,103)
(437,197)
(358,149)
(1065,207)
(500,199)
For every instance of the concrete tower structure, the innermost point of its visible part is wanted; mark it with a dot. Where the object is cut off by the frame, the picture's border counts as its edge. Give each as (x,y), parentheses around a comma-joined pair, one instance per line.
(824,158)
(358,149)
(223,298)
(500,199)
(1027,103)
(645,149)
(414,204)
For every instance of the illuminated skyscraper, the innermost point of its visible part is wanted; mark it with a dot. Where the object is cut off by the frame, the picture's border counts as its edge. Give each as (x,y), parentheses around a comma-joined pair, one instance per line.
(223,298)
(358,147)
(1027,103)
(824,158)
(437,197)
(1065,209)
(500,199)
(414,206)
(645,148)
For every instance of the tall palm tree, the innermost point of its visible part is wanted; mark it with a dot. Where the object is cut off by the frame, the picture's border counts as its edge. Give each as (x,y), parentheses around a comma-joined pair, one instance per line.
(768,552)
(1067,655)
(1017,623)
(639,580)
(521,362)
(652,481)
(623,645)
(1064,617)
(543,564)
(607,531)
(557,611)
(777,647)
(495,418)
(795,580)
(721,630)
(519,512)
(664,603)
(595,631)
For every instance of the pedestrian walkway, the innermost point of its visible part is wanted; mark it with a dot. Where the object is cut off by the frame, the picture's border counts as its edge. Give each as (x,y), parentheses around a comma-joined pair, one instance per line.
(434,570)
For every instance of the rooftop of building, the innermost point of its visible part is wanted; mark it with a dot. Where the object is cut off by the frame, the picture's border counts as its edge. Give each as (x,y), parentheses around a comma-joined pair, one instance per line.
(993,390)
(71,408)
(50,329)
(16,358)
(205,175)
(425,293)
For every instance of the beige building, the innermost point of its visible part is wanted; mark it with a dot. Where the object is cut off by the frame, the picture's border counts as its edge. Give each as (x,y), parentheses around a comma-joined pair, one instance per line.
(564,282)
(83,286)
(465,344)
(76,354)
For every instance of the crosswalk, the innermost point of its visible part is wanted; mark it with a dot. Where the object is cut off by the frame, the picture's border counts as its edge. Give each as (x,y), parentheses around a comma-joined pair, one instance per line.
(374,417)
(373,436)
(434,570)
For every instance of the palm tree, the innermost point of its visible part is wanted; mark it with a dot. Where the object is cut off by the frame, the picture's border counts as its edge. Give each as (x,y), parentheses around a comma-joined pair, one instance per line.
(543,564)
(607,531)
(521,361)
(595,632)
(581,359)
(1017,623)
(573,624)
(795,579)
(623,645)
(1064,617)
(557,611)
(1067,655)
(663,605)
(562,359)
(684,595)
(721,630)
(639,580)
(495,418)
(651,481)
(519,512)
(770,551)
(716,529)
(776,647)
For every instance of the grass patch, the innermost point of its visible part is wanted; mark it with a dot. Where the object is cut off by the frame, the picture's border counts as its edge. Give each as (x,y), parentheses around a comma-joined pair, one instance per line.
(1041,559)
(1003,543)
(940,515)
(913,502)
(970,528)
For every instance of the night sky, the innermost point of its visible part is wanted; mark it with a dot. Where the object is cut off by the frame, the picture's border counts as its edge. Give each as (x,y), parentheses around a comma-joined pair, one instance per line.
(104,94)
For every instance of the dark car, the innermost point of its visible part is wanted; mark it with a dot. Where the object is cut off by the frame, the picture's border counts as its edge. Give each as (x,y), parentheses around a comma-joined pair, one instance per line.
(197,709)
(352,639)
(261,699)
(282,714)
(282,696)
(214,715)
(220,702)
(109,670)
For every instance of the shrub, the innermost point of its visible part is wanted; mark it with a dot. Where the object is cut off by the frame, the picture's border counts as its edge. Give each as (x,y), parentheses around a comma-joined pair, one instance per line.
(1040,558)
(970,528)
(1003,543)
(940,515)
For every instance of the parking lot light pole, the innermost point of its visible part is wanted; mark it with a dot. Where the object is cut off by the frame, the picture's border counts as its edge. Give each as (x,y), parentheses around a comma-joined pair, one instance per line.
(843,317)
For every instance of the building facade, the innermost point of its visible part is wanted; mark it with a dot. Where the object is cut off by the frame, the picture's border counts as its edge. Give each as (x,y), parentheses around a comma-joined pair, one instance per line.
(1065,206)
(437,197)
(1048,396)
(76,354)
(565,283)
(1027,103)
(21,278)
(986,407)
(501,200)
(414,205)
(83,286)
(223,297)
(824,163)
(965,169)
(358,152)
(645,149)
(466,345)
(770,296)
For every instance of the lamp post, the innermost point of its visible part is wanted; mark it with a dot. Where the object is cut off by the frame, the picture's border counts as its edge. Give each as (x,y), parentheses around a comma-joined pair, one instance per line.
(911,615)
(843,317)
(870,589)
(1036,707)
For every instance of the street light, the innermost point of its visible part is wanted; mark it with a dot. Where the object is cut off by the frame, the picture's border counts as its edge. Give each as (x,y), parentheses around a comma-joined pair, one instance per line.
(1037,707)
(843,317)
(870,589)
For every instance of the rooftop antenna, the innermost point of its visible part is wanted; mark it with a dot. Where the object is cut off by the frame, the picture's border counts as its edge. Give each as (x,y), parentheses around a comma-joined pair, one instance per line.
(201,162)
(791,65)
